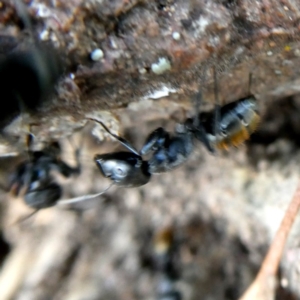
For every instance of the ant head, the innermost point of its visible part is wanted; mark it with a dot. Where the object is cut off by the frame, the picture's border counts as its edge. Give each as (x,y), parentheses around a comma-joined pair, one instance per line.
(123,168)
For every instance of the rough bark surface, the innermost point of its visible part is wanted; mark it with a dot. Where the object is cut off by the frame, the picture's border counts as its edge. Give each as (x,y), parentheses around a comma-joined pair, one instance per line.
(224,209)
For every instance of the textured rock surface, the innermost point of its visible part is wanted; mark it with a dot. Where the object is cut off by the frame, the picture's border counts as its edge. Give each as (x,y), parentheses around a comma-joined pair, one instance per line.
(224,209)
(236,36)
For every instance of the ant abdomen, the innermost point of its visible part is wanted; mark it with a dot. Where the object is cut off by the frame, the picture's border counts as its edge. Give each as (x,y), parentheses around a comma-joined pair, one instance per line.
(238,121)
(45,197)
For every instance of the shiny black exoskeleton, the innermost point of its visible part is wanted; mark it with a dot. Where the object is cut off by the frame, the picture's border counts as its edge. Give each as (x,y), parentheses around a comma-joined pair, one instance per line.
(127,169)
(171,151)
(238,120)
(231,124)
(124,168)
(33,178)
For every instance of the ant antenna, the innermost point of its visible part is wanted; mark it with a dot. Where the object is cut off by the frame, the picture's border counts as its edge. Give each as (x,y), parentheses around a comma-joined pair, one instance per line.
(76,152)
(23,219)
(121,140)
(217,103)
(198,127)
(29,139)
(250,83)
(83,198)
(197,104)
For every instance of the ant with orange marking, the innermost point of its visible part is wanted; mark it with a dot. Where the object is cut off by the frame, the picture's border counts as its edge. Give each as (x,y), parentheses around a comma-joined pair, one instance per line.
(226,126)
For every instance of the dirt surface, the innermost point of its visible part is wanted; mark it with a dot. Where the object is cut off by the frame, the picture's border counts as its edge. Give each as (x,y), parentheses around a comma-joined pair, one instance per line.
(149,49)
(222,210)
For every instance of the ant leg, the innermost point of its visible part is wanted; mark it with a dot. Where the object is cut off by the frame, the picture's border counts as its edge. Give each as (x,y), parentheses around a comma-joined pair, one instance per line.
(63,168)
(217,106)
(29,141)
(249,84)
(23,219)
(198,128)
(155,140)
(23,14)
(82,198)
(120,139)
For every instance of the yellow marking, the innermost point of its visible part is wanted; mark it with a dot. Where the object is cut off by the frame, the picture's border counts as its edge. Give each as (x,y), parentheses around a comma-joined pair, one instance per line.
(254,123)
(163,240)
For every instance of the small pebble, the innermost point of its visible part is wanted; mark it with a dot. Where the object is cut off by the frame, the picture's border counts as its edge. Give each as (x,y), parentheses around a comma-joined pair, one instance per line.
(297,52)
(142,70)
(176,36)
(97,54)
(162,66)
(284,283)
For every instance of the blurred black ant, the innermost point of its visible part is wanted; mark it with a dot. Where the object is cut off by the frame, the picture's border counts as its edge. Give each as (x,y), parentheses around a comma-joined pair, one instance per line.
(28,72)
(33,178)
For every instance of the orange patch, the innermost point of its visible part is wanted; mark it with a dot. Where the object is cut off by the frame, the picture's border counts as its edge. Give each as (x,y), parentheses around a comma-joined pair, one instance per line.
(240,136)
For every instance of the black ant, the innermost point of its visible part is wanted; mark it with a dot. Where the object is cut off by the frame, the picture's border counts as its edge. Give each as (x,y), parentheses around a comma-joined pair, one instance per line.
(128,169)
(33,178)
(229,125)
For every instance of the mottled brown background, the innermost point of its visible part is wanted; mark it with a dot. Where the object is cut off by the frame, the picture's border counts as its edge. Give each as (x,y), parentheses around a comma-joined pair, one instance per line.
(224,209)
